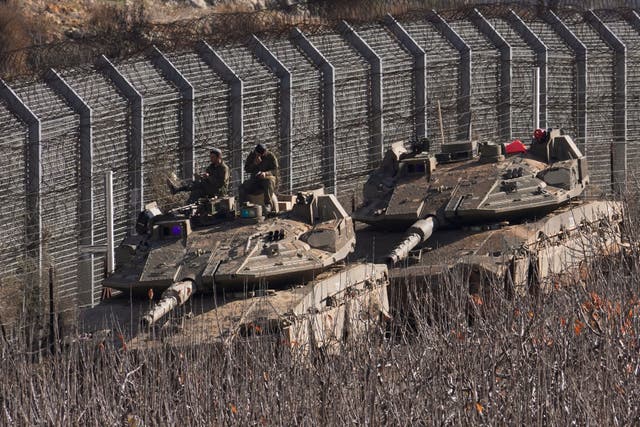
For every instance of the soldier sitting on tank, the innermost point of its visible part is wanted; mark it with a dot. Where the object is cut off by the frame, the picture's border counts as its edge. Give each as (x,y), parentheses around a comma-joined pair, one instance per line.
(213,182)
(262,165)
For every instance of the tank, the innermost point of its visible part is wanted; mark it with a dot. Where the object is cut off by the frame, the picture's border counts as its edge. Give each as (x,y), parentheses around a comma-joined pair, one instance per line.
(515,212)
(293,259)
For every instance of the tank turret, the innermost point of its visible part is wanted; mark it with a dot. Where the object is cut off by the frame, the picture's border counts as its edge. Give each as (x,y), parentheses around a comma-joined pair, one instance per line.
(471,184)
(212,247)
(510,214)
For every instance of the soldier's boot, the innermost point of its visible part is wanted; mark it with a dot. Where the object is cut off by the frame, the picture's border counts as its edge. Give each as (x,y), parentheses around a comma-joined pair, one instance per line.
(171,183)
(180,186)
(172,187)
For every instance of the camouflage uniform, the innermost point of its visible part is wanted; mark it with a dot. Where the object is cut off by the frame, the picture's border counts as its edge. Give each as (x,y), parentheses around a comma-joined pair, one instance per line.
(256,185)
(216,184)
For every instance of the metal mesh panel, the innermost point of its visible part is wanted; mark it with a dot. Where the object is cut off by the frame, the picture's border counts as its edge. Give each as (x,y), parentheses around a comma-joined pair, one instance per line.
(522,72)
(485,82)
(13,214)
(398,83)
(561,81)
(59,191)
(630,37)
(162,110)
(110,144)
(212,109)
(307,135)
(352,134)
(443,81)
(261,115)
(600,96)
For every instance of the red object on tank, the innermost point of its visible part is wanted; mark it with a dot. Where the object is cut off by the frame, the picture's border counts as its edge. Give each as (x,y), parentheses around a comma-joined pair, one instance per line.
(515,146)
(538,133)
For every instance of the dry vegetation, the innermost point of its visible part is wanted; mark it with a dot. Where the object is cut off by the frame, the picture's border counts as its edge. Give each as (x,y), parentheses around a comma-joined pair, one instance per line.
(37,35)
(572,356)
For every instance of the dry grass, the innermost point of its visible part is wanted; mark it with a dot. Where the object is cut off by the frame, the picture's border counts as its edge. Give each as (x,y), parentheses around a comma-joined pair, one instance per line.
(366,11)
(15,37)
(571,356)
(120,29)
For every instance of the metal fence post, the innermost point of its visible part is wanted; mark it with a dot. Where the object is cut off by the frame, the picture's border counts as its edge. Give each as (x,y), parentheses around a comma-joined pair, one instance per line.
(464,101)
(535,96)
(330,177)
(619,149)
(286,104)
(633,18)
(504,103)
(34,175)
(580,51)
(419,71)
(108,196)
(137,131)
(171,73)
(86,214)
(217,64)
(541,51)
(376,124)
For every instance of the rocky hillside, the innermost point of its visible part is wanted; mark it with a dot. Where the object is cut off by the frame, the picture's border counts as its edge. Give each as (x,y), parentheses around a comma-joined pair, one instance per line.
(38,34)
(62,19)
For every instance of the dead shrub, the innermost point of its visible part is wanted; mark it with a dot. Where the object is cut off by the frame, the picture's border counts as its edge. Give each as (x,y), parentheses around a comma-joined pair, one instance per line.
(14,38)
(358,10)
(11,290)
(106,18)
(120,28)
(225,28)
(567,357)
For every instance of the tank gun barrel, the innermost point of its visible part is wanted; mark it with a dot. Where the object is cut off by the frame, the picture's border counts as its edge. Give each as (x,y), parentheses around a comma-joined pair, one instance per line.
(175,295)
(419,232)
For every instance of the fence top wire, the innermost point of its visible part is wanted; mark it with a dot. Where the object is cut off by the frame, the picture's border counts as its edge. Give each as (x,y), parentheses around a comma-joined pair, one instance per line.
(516,41)
(9,125)
(383,42)
(95,89)
(146,78)
(199,74)
(43,101)
(437,47)
(291,57)
(244,64)
(587,35)
(626,33)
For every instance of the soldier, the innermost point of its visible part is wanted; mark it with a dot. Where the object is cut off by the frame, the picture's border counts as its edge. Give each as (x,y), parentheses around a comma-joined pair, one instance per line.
(263,167)
(214,182)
